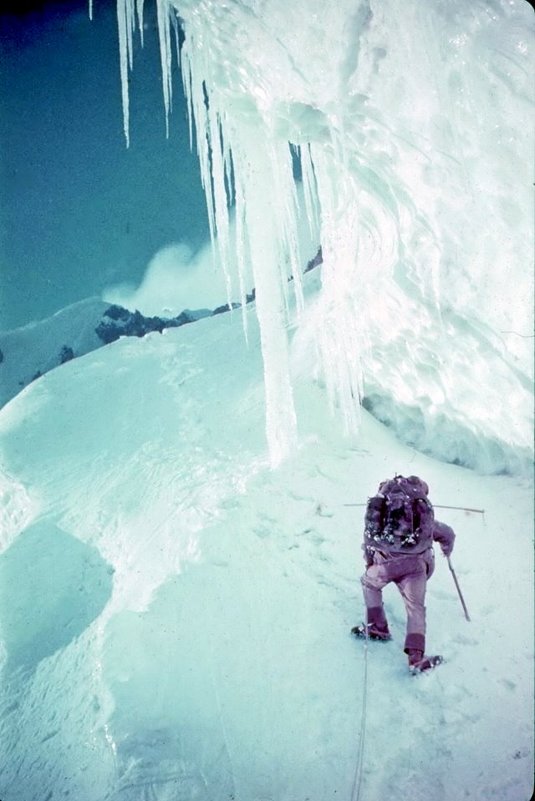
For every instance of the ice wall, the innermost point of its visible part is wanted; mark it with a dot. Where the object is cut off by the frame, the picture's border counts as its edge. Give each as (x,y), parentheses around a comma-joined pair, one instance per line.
(412,124)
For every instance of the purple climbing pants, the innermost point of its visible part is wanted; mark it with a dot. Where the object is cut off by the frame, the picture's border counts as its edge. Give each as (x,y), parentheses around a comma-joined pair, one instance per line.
(410,574)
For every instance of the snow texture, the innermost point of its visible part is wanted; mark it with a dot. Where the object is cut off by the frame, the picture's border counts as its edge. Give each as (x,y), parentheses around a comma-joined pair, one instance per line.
(31,351)
(175,614)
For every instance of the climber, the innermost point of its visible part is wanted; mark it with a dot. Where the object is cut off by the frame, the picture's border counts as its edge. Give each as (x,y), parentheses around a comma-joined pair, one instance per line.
(398,547)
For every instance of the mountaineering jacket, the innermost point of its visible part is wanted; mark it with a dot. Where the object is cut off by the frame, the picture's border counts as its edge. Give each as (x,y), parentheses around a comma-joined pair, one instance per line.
(444,535)
(441,533)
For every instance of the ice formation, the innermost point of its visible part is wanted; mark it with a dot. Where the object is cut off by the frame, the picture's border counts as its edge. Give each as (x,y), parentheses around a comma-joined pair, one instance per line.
(410,124)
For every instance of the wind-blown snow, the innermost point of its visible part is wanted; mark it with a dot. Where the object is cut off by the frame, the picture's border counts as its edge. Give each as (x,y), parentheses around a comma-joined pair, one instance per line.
(175,614)
(175,278)
(413,122)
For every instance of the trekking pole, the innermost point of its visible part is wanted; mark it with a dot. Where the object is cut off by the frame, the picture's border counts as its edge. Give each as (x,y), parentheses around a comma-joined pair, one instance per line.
(467,616)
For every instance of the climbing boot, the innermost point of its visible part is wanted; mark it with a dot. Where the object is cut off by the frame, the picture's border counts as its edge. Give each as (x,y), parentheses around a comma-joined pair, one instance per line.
(373,632)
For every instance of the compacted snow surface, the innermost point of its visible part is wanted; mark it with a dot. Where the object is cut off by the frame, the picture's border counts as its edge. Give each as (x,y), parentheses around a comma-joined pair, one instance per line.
(175,614)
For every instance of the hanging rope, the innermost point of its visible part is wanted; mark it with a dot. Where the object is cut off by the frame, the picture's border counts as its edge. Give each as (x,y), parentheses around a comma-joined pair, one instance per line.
(357,781)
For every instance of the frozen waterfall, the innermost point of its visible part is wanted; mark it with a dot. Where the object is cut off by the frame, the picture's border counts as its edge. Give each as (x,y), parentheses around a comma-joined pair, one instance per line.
(408,127)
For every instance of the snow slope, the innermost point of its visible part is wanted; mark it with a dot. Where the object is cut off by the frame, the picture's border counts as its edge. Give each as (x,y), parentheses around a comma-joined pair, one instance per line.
(427,394)
(32,350)
(175,615)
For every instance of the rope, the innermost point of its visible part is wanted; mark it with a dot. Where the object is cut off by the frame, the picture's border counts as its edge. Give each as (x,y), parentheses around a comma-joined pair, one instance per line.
(357,781)
(436,506)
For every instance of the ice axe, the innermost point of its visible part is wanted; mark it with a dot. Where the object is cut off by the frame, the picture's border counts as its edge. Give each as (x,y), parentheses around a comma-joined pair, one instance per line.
(467,616)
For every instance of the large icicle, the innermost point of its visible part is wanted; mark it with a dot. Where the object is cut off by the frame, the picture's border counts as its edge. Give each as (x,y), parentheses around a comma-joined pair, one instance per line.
(262,237)
(265,230)
(340,332)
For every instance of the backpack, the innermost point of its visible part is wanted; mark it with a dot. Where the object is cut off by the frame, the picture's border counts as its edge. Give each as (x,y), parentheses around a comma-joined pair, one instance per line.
(399,519)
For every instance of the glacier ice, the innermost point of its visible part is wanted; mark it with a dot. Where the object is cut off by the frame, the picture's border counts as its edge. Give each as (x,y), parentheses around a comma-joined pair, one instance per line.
(412,127)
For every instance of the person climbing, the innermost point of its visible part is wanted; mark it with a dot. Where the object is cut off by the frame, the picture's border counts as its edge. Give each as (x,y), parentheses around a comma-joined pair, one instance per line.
(399,532)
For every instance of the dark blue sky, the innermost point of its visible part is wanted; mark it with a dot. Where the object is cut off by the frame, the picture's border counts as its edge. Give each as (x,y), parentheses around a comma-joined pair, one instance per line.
(78,211)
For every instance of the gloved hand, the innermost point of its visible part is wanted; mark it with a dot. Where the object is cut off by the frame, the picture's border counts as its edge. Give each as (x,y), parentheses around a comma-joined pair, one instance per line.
(447,549)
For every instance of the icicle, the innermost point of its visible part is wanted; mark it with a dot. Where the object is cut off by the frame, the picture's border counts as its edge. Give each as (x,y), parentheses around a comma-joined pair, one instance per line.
(197,112)
(165,56)
(129,24)
(176,26)
(265,223)
(239,222)
(257,171)
(185,69)
(214,158)
(339,336)
(123,57)
(309,188)
(289,228)
(219,195)
(91,10)
(140,20)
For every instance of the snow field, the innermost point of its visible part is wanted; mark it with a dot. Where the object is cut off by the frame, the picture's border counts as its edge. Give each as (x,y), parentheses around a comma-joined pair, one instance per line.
(198,604)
